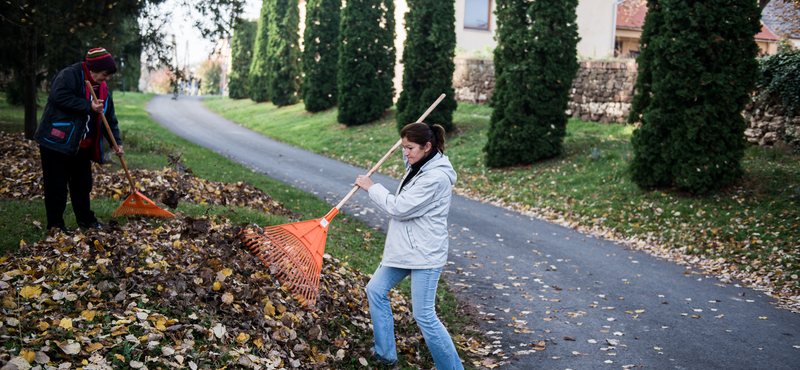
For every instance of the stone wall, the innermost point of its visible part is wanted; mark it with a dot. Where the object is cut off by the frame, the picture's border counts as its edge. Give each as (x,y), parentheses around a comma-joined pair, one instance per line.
(767,126)
(473,80)
(603,92)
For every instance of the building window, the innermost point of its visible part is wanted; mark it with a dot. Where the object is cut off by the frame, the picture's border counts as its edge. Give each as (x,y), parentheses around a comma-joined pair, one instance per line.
(476,14)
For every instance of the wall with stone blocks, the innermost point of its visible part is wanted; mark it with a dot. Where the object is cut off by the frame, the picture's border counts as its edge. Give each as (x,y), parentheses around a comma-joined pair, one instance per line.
(603,92)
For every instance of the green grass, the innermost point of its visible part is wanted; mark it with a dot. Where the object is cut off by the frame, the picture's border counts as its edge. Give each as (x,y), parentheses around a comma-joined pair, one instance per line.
(146,146)
(752,224)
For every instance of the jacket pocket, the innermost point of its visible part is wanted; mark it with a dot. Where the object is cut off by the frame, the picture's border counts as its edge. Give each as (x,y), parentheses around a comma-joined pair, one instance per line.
(410,234)
(60,133)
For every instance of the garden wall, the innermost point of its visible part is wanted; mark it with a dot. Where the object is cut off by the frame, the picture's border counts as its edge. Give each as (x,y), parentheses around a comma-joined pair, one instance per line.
(603,92)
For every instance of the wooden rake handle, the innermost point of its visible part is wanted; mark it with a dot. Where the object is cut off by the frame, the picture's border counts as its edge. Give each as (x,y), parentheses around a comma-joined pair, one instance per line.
(112,139)
(389,153)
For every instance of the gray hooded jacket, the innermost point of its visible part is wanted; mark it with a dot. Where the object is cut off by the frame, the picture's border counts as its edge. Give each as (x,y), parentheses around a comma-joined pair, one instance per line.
(417,237)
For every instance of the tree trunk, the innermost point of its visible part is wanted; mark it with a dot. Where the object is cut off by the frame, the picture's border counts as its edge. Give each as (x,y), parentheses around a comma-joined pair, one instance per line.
(29,82)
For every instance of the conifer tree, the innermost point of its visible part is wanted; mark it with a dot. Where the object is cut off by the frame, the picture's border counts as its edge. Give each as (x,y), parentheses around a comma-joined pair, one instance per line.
(259,74)
(242,44)
(366,60)
(283,52)
(701,68)
(428,63)
(535,61)
(321,53)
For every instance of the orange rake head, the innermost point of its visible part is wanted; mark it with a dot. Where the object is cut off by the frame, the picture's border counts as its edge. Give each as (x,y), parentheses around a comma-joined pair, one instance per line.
(293,253)
(139,205)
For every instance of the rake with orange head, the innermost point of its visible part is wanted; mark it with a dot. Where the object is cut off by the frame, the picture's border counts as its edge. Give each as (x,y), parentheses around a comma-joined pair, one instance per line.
(136,203)
(293,252)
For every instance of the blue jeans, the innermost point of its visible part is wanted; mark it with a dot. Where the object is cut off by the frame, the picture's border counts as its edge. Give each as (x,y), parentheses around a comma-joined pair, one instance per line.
(423,297)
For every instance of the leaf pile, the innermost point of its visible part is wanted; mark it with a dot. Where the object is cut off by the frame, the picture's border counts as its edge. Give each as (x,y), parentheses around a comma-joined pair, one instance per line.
(21,178)
(184,294)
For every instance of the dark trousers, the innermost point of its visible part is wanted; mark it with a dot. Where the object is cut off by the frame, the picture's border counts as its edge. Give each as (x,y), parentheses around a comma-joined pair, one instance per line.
(64,173)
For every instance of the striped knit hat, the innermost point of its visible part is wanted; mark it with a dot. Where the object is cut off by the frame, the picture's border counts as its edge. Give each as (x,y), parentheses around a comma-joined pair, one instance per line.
(98,59)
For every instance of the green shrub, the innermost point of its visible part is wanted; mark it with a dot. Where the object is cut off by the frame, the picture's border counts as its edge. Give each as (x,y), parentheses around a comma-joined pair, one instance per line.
(283,52)
(212,76)
(780,79)
(428,63)
(701,72)
(649,141)
(259,75)
(321,53)
(535,61)
(244,33)
(366,61)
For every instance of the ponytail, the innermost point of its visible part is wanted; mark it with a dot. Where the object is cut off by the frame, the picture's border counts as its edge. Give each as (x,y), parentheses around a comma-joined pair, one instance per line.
(421,134)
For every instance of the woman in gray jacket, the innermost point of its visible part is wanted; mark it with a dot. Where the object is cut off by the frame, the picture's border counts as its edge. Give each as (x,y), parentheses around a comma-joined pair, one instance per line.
(416,243)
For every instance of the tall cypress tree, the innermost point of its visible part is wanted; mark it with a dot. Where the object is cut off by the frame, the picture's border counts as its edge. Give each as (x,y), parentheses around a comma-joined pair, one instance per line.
(259,74)
(321,53)
(242,44)
(649,167)
(535,61)
(283,52)
(428,63)
(702,70)
(366,60)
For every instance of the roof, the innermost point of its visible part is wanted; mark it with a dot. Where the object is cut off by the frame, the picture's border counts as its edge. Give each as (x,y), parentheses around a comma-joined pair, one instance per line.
(633,21)
(766,34)
(778,18)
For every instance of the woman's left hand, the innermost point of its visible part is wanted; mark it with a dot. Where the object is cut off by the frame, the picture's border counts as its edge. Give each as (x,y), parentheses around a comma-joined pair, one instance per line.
(364,182)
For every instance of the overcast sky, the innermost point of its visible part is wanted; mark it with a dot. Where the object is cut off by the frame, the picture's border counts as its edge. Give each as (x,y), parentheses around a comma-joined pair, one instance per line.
(185,32)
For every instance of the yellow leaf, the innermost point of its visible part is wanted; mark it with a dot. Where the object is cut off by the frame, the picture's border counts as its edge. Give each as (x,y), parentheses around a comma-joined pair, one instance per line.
(93,347)
(129,269)
(88,315)
(65,323)
(657,348)
(269,309)
(217,286)
(258,343)
(243,337)
(762,317)
(27,355)
(227,272)
(30,291)
(119,357)
(43,325)
(176,244)
(160,324)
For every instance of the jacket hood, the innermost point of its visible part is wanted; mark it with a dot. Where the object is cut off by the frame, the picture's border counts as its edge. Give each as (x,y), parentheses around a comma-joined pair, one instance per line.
(441,163)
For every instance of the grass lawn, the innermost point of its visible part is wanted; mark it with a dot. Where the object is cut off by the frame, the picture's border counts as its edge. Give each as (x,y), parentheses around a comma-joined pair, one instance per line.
(747,231)
(146,147)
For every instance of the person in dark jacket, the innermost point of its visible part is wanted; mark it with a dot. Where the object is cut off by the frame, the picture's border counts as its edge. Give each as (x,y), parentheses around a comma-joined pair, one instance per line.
(70,137)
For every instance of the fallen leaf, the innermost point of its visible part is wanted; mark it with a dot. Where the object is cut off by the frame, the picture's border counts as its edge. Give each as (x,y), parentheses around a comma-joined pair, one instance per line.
(65,324)
(29,292)
(70,346)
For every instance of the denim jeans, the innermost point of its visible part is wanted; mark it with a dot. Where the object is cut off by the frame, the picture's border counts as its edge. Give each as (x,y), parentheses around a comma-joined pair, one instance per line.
(423,297)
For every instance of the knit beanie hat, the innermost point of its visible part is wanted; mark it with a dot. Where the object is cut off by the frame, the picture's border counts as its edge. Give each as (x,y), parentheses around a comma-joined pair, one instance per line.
(98,59)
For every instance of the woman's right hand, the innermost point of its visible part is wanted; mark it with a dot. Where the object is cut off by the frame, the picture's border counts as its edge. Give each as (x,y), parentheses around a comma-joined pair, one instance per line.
(364,182)
(97,106)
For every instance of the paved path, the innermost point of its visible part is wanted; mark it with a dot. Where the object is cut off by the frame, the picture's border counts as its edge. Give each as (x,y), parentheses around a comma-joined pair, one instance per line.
(592,304)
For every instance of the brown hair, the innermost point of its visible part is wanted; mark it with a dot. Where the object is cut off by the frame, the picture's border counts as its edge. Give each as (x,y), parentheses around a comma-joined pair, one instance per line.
(420,133)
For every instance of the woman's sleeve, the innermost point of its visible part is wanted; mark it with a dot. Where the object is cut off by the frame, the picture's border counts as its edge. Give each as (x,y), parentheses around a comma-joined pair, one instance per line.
(413,202)
(63,94)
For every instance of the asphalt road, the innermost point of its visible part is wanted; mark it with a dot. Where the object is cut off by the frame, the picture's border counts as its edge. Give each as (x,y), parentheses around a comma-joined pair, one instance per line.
(547,296)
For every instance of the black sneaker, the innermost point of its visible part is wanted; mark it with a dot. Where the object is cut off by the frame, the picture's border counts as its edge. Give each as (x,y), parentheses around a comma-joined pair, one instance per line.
(91,225)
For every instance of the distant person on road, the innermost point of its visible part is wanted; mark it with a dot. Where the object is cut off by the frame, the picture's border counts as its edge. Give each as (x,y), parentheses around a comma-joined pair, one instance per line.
(70,137)
(416,243)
